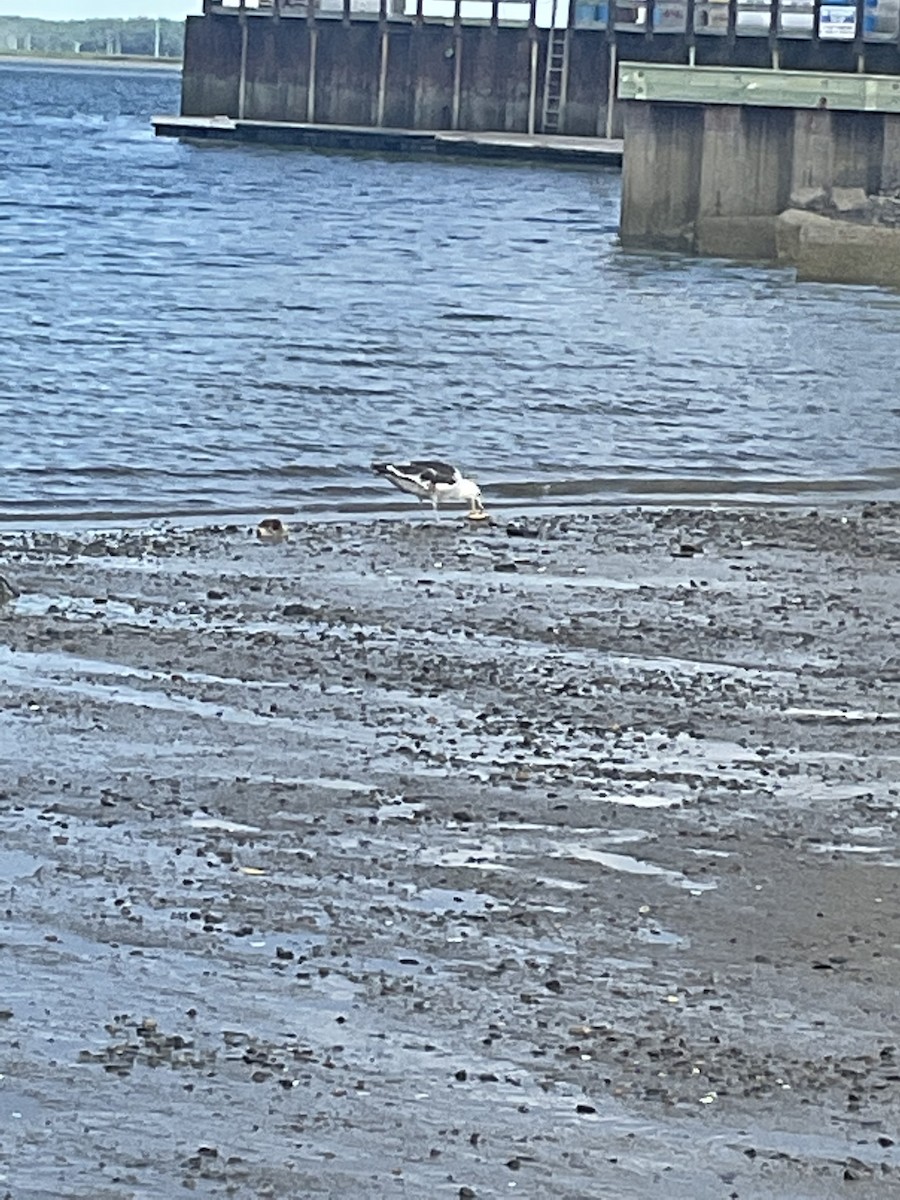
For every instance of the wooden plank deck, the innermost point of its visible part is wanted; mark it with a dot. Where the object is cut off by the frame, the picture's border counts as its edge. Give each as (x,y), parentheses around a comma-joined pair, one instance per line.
(550,148)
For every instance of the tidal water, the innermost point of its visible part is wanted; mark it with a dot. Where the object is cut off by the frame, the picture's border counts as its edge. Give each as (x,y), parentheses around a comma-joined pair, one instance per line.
(195,331)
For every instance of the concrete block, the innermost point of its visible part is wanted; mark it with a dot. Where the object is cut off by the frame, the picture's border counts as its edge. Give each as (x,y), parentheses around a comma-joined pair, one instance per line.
(829,250)
(749,238)
(849,199)
(885,211)
(814,199)
(890,155)
(789,228)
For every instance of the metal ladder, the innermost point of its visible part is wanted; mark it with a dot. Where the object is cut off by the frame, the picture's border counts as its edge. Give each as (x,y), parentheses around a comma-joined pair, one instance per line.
(555,78)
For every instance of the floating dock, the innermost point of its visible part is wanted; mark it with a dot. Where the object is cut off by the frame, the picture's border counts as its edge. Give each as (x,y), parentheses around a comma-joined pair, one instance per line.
(522,147)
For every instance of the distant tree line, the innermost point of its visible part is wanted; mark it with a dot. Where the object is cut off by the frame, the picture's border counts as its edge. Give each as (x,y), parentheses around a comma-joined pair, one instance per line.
(142,36)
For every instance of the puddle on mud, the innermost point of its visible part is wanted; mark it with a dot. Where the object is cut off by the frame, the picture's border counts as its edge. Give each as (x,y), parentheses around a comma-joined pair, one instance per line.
(449,900)
(400,810)
(850,715)
(644,800)
(522,827)
(490,859)
(614,838)
(18,864)
(22,674)
(201,821)
(629,865)
(564,885)
(16,1105)
(531,576)
(850,848)
(660,937)
(473,860)
(318,781)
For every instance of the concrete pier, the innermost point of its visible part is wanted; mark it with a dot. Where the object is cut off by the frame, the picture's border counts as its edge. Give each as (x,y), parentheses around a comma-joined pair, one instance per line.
(397,74)
(362,63)
(714,157)
(546,148)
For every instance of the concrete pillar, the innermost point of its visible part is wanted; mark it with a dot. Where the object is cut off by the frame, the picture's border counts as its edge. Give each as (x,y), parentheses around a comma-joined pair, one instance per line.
(457,76)
(723,163)
(384,51)
(311,78)
(744,179)
(661,174)
(858,150)
(738,145)
(609,123)
(812,156)
(890,153)
(532,80)
(457,62)
(564,80)
(242,70)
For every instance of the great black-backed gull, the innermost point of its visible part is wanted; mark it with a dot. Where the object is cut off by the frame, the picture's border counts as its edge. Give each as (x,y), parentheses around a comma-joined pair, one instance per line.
(436,482)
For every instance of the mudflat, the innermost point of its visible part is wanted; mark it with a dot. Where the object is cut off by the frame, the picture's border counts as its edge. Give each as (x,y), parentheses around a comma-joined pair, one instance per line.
(551,858)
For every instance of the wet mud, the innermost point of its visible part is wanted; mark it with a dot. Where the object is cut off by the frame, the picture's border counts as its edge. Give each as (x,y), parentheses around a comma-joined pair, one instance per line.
(555,858)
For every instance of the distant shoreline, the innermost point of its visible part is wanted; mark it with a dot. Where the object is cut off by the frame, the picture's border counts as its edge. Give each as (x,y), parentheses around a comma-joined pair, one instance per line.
(85,60)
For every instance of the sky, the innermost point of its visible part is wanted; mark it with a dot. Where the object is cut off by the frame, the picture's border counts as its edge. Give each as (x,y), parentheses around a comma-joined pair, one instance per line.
(78,10)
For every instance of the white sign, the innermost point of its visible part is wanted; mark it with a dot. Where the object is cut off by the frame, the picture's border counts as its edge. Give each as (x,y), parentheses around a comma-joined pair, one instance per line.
(837,22)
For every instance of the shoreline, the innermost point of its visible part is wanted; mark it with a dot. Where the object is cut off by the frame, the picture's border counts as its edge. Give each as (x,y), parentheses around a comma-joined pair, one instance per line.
(83,61)
(397,844)
(508,502)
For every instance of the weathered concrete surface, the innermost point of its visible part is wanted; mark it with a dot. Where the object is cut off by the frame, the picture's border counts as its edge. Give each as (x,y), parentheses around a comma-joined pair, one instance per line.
(406,74)
(494,73)
(834,251)
(706,179)
(210,85)
(587,89)
(749,237)
(277,78)
(413,859)
(744,180)
(713,179)
(440,75)
(661,175)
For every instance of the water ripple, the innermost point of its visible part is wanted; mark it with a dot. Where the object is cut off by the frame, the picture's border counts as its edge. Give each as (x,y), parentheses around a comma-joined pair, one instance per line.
(220,330)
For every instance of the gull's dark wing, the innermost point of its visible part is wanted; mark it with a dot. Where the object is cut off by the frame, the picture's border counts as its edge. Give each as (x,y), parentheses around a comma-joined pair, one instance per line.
(433,472)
